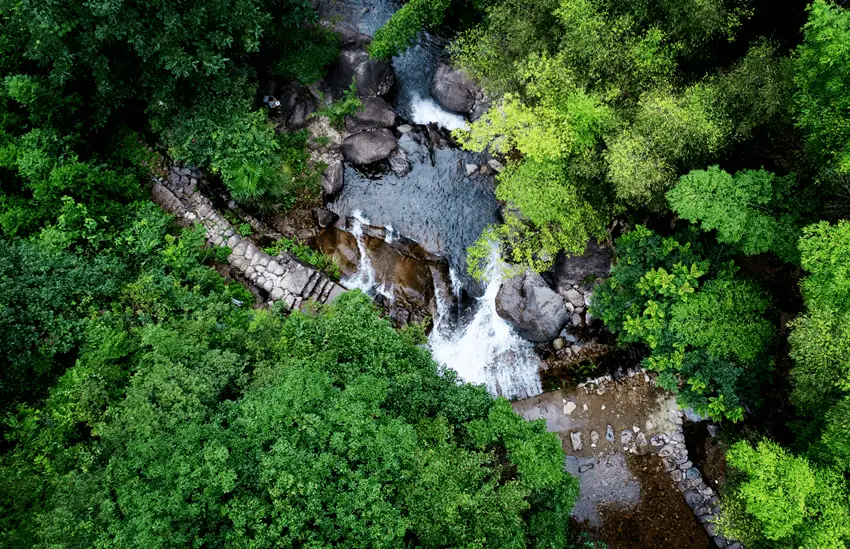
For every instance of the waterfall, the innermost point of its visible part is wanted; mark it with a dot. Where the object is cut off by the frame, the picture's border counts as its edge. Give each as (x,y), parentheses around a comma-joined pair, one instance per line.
(487,350)
(364,278)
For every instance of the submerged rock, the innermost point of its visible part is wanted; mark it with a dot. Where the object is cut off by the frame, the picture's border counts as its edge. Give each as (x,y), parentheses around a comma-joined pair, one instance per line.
(535,311)
(366,147)
(453,89)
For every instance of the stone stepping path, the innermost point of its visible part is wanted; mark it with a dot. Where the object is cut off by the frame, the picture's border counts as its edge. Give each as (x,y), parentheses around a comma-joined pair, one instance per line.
(283,277)
(600,421)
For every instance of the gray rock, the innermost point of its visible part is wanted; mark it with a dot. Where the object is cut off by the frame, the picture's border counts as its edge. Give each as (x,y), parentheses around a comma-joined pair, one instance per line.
(372,77)
(626,436)
(575,440)
(535,311)
(367,147)
(641,439)
(453,89)
(594,437)
(559,344)
(478,110)
(495,165)
(595,262)
(400,164)
(471,169)
(376,113)
(405,128)
(324,218)
(609,433)
(713,429)
(332,178)
(694,499)
(301,113)
(575,298)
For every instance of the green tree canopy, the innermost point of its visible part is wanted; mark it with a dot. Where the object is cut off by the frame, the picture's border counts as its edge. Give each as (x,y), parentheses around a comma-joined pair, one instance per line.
(704,326)
(749,210)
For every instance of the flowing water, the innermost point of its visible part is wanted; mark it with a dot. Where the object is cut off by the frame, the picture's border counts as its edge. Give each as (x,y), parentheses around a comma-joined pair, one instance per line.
(441,208)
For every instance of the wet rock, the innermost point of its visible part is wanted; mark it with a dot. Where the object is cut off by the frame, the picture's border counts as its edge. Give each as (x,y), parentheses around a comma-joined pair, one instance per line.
(559,344)
(586,467)
(324,218)
(531,307)
(713,429)
(575,440)
(453,89)
(471,169)
(376,113)
(404,128)
(371,76)
(399,163)
(575,298)
(609,433)
(366,147)
(332,178)
(350,37)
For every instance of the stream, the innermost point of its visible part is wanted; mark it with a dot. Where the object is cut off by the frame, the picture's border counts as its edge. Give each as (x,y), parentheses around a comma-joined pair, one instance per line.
(441,207)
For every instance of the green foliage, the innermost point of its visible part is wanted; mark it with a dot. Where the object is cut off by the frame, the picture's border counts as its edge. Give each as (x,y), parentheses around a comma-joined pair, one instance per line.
(822,97)
(405,25)
(750,210)
(670,133)
(336,112)
(554,218)
(820,340)
(825,253)
(238,143)
(306,254)
(230,426)
(757,92)
(704,327)
(781,500)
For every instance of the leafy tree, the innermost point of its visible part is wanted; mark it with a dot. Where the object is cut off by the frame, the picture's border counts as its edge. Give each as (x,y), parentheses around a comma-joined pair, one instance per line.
(406,24)
(749,210)
(215,424)
(821,62)
(670,133)
(554,217)
(779,499)
(704,327)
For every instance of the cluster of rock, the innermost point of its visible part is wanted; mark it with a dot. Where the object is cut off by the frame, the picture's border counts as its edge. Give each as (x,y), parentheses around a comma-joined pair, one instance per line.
(281,278)
(671,448)
(540,311)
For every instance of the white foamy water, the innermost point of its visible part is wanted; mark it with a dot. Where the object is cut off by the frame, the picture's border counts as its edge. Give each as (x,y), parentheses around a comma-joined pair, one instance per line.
(364,278)
(487,350)
(425,111)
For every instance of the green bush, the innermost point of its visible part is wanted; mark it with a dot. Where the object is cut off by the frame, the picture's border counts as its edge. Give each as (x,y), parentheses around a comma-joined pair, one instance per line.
(401,31)
(705,328)
(781,500)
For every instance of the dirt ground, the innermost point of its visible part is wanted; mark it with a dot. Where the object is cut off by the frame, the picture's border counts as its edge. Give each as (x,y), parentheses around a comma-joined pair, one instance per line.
(661,519)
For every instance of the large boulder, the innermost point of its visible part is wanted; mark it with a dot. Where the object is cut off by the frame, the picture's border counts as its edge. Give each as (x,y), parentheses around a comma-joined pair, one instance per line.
(372,77)
(453,89)
(332,178)
(376,113)
(534,310)
(367,147)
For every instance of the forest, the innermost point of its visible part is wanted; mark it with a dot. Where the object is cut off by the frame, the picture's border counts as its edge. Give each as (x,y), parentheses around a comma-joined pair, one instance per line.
(149,398)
